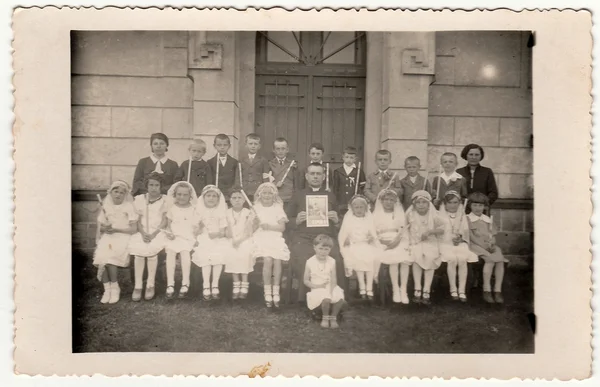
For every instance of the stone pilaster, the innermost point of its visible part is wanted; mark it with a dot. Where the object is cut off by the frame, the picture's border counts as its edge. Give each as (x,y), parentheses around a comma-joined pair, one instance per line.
(408,69)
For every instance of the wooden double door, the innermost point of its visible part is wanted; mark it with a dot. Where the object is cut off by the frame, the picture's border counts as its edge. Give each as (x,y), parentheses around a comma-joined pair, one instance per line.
(311,100)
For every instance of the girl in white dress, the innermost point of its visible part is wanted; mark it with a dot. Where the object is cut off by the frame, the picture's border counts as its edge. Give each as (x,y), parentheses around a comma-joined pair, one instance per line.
(425,227)
(116,223)
(390,225)
(240,262)
(213,248)
(269,224)
(151,208)
(320,278)
(359,244)
(180,231)
(454,246)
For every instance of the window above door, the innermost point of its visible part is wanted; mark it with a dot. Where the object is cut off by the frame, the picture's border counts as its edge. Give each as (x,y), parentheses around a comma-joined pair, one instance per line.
(311,48)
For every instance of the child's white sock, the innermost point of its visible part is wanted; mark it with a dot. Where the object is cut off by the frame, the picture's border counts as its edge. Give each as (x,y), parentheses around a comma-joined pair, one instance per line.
(107,291)
(268,293)
(428,280)
(276,297)
(452,276)
(171,268)
(488,268)
(186,264)
(152,264)
(216,275)
(369,275)
(462,277)
(138,268)
(498,276)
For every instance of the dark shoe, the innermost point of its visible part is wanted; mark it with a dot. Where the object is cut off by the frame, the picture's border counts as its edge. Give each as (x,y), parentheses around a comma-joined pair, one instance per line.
(136,295)
(487,297)
(417,297)
(498,298)
(426,299)
(462,297)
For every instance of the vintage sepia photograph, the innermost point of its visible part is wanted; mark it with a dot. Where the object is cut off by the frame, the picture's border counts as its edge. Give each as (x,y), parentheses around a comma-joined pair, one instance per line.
(302,191)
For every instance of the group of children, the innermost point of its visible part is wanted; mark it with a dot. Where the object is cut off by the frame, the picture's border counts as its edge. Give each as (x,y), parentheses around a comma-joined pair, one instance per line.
(223,214)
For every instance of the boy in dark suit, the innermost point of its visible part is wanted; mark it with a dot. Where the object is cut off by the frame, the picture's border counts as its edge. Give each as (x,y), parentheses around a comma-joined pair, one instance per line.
(283,172)
(413,181)
(345,179)
(227,167)
(255,168)
(200,175)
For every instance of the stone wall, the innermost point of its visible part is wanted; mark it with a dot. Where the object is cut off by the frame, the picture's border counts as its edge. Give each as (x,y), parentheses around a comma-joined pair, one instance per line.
(482,94)
(125,86)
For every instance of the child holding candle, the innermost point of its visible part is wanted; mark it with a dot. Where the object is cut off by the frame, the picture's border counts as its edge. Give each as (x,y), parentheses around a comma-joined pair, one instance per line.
(157,162)
(320,277)
(382,178)
(195,170)
(223,167)
(240,262)
(116,223)
(180,232)
(213,248)
(483,243)
(448,179)
(454,246)
(149,241)
(348,180)
(284,171)
(359,245)
(269,224)
(425,227)
(254,169)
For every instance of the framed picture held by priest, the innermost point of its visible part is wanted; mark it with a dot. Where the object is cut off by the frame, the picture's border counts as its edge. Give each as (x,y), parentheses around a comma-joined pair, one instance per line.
(316,211)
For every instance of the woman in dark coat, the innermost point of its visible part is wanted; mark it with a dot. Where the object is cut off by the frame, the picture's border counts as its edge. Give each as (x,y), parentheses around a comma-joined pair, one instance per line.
(479,178)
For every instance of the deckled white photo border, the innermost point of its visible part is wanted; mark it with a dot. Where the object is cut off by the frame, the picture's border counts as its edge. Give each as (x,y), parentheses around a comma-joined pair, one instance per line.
(561,122)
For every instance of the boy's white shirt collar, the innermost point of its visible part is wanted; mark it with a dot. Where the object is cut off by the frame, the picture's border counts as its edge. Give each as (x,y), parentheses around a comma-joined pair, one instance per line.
(453,176)
(155,159)
(349,169)
(475,218)
(413,179)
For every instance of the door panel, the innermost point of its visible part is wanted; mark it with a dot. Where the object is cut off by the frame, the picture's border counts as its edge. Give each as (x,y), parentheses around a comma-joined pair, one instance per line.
(281,111)
(338,115)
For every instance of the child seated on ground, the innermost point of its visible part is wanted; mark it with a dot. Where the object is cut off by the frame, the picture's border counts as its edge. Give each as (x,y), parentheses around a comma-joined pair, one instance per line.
(425,227)
(454,246)
(239,231)
(390,226)
(213,248)
(359,245)
(483,243)
(149,241)
(270,220)
(320,277)
(117,221)
(180,232)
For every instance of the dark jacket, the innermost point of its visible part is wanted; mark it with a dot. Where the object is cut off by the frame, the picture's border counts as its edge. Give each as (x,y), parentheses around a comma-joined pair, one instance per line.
(228,174)
(145,167)
(483,182)
(200,175)
(298,204)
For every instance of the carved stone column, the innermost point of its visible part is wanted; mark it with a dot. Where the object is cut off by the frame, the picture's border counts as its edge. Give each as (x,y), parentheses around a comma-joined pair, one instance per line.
(408,69)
